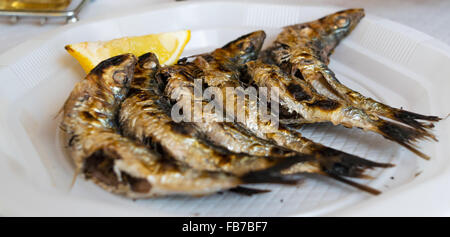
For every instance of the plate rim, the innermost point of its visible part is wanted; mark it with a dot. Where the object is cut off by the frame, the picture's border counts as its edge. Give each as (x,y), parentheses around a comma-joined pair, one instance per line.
(429,40)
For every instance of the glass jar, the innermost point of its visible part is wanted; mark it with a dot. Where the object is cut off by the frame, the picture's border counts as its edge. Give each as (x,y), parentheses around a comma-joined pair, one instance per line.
(34,4)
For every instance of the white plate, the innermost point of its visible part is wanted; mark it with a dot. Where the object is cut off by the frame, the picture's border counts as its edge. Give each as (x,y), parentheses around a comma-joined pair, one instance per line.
(382,59)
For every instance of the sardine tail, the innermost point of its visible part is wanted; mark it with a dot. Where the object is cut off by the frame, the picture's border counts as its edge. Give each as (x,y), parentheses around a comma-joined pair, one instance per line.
(405,136)
(344,164)
(411,118)
(248,191)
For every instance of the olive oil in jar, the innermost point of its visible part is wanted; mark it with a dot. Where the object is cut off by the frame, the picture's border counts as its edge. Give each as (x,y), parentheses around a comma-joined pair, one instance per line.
(34,4)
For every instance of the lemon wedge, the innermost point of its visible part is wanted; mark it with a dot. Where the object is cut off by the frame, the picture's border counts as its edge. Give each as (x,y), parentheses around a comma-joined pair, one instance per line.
(167,47)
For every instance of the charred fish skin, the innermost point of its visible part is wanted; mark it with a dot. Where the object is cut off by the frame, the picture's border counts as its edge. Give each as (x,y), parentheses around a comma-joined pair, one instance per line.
(179,80)
(154,126)
(296,96)
(240,140)
(301,65)
(299,97)
(116,163)
(222,67)
(119,165)
(220,74)
(302,52)
(145,116)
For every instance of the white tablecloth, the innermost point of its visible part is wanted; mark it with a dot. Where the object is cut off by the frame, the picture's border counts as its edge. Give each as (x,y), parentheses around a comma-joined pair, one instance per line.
(429,16)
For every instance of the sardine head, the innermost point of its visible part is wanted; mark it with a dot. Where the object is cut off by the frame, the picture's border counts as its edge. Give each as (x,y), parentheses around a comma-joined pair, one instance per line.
(115,72)
(341,23)
(245,48)
(148,61)
(144,73)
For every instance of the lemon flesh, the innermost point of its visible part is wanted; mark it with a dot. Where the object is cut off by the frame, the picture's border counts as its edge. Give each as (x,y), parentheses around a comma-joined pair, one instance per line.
(167,47)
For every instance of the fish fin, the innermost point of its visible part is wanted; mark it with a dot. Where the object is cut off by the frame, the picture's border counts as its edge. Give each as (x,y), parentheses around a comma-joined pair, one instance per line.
(274,174)
(344,164)
(352,97)
(362,187)
(60,111)
(411,118)
(74,178)
(248,191)
(405,136)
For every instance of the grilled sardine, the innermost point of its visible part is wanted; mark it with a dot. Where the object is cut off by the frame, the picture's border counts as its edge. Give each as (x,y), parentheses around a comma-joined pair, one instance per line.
(303,50)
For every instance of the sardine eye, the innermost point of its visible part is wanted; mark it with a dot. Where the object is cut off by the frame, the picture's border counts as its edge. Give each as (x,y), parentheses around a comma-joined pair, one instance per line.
(342,21)
(120,77)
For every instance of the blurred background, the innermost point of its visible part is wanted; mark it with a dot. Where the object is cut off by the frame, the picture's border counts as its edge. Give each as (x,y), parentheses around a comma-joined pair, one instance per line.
(429,16)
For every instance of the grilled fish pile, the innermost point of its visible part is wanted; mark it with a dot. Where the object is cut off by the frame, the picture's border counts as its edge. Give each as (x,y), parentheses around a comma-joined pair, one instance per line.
(120,130)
